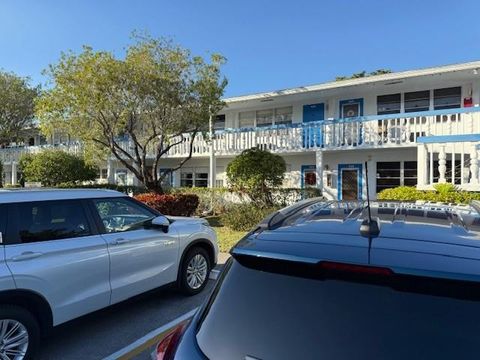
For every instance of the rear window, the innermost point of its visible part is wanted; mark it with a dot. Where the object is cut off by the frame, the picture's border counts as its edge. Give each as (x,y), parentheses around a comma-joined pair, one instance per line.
(264,315)
(50,220)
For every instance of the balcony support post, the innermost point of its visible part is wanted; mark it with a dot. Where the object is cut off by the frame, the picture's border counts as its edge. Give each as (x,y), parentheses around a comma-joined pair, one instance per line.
(319,169)
(422,165)
(442,165)
(212,176)
(14,173)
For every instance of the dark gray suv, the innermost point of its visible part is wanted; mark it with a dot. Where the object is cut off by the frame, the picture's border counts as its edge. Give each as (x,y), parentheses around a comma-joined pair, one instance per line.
(327,281)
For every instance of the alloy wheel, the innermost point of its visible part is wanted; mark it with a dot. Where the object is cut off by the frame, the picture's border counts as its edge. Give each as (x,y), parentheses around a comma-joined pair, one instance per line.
(197,269)
(13,340)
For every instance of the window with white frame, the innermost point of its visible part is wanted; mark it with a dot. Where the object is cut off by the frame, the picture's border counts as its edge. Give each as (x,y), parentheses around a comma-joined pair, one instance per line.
(194,179)
(219,123)
(388,104)
(264,117)
(246,119)
(103,173)
(283,115)
(391,174)
(448,98)
(417,101)
(121,176)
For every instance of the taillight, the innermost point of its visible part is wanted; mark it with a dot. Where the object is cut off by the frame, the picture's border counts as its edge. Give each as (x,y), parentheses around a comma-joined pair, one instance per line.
(356,269)
(166,348)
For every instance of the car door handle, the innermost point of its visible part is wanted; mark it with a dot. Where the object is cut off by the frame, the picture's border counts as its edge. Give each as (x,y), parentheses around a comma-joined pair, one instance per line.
(28,255)
(119,241)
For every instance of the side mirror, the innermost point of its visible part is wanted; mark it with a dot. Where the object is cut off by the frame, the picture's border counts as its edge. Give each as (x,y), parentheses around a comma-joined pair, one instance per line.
(161,222)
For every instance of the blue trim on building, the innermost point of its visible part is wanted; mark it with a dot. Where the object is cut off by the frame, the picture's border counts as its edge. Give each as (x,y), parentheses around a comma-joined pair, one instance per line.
(358,101)
(350,101)
(448,139)
(312,136)
(302,170)
(359,168)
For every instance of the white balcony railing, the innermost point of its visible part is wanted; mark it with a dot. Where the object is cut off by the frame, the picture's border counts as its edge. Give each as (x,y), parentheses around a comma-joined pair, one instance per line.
(363,132)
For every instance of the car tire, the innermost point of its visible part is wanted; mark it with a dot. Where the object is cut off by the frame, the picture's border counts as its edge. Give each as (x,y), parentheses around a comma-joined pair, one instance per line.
(194,271)
(20,319)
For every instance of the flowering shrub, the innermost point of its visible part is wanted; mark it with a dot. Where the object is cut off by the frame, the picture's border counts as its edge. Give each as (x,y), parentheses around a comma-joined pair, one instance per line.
(175,205)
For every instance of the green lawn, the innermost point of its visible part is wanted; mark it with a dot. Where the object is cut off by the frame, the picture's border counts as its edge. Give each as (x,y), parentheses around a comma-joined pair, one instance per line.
(226,237)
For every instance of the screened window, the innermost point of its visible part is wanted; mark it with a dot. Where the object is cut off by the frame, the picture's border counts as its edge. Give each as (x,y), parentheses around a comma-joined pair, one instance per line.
(219,123)
(197,179)
(51,220)
(186,179)
(246,119)
(103,173)
(121,176)
(201,179)
(391,174)
(265,117)
(388,104)
(417,101)
(448,98)
(410,173)
(122,214)
(284,115)
(388,175)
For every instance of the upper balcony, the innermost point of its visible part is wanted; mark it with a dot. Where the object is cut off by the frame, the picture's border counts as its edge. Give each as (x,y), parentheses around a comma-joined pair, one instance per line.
(366,132)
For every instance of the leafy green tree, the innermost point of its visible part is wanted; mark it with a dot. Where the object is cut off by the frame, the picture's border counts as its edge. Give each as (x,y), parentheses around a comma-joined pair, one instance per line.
(1,174)
(55,167)
(363,74)
(256,173)
(152,97)
(16,106)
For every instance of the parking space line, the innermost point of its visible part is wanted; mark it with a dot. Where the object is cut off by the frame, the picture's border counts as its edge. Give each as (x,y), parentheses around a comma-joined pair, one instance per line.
(151,339)
(214,274)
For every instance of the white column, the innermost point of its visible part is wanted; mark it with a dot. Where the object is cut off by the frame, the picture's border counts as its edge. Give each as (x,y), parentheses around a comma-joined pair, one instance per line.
(474,166)
(319,169)
(422,165)
(442,162)
(110,171)
(212,175)
(14,172)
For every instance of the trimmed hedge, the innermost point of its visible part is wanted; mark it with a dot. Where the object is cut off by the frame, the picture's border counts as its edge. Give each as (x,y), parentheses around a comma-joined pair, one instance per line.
(243,217)
(175,205)
(444,193)
(217,201)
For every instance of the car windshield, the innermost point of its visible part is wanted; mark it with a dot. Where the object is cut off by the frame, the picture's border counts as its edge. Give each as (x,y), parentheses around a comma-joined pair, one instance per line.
(259,314)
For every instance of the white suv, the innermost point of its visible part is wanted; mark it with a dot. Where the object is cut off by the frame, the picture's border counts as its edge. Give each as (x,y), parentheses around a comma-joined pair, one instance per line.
(66,253)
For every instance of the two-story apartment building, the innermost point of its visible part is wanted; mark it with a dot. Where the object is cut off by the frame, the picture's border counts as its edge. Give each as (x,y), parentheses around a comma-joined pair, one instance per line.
(416,128)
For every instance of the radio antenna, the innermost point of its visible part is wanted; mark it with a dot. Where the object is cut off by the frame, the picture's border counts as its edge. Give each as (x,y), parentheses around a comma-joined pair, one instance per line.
(368,193)
(369,227)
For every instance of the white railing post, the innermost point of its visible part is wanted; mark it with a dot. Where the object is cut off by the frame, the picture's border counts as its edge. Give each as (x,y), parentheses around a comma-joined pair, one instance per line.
(442,162)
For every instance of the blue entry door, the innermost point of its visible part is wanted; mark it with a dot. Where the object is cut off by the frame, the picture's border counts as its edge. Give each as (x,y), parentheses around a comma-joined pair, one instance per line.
(312,136)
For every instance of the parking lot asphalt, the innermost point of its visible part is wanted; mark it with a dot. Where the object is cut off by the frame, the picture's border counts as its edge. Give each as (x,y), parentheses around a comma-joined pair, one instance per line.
(104,332)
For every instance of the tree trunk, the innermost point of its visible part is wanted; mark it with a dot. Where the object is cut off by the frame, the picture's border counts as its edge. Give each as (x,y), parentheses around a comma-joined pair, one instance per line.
(154,186)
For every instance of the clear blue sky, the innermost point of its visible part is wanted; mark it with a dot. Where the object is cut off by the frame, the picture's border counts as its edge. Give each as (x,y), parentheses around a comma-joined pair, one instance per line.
(269,44)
